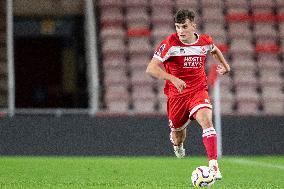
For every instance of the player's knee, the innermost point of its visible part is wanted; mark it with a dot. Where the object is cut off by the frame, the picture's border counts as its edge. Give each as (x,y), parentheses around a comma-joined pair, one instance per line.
(206,122)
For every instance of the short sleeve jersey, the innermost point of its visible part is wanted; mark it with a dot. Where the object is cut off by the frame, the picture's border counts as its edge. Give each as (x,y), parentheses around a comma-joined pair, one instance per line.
(185,61)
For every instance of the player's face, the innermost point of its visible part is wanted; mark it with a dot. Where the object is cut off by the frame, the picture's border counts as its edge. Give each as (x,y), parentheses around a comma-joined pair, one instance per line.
(185,30)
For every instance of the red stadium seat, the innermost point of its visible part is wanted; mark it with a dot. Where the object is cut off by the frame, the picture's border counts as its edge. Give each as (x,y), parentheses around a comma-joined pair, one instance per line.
(227,107)
(242,57)
(137,18)
(273,98)
(282,46)
(281,31)
(193,4)
(111,17)
(226,93)
(245,77)
(117,98)
(110,3)
(265,31)
(138,32)
(247,97)
(142,92)
(248,107)
(139,61)
(268,62)
(161,3)
(237,14)
(240,30)
(262,4)
(161,97)
(270,77)
(136,3)
(279,3)
(138,77)
(273,106)
(234,3)
(160,87)
(238,17)
(115,77)
(226,81)
(139,45)
(243,64)
(227,98)
(267,48)
(241,46)
(144,105)
(280,17)
(112,91)
(216,30)
(272,91)
(160,32)
(160,15)
(212,4)
(263,10)
(263,17)
(211,14)
(114,62)
(113,46)
(112,32)
(121,105)
(144,98)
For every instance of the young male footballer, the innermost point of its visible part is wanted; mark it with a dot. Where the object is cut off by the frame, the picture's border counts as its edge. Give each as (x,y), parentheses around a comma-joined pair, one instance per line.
(180,60)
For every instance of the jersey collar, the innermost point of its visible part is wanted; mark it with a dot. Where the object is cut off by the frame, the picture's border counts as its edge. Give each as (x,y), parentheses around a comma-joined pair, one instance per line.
(191,43)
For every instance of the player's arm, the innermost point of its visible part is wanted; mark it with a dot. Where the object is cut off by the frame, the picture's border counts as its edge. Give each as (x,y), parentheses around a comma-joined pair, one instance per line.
(224,67)
(154,69)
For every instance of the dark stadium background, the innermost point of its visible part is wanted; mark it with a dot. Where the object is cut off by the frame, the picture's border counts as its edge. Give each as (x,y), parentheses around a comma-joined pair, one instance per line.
(52,116)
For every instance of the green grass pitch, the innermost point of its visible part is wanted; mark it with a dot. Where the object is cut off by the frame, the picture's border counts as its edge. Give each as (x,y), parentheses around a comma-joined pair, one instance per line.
(136,172)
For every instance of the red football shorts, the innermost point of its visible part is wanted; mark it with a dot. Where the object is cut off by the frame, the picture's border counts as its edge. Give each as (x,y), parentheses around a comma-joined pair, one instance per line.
(183,109)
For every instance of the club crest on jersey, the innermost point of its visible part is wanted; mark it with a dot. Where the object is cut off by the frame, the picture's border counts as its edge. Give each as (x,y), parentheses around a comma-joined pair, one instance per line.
(159,52)
(203,51)
(192,62)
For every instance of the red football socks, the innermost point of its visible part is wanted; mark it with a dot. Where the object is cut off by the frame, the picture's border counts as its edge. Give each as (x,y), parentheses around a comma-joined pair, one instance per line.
(210,142)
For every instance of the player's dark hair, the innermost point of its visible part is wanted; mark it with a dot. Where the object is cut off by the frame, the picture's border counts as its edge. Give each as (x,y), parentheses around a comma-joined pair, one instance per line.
(184,14)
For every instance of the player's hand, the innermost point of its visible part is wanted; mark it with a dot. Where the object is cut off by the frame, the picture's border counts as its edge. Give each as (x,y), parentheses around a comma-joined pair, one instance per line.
(221,70)
(179,84)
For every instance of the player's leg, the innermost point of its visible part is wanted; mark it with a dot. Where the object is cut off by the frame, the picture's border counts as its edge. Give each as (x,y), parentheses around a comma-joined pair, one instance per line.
(178,120)
(204,118)
(177,138)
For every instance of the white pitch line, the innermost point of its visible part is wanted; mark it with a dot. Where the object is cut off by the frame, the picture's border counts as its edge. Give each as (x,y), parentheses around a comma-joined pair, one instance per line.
(257,163)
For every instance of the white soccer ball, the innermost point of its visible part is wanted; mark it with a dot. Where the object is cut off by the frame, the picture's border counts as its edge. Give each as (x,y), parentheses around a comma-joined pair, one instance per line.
(203,177)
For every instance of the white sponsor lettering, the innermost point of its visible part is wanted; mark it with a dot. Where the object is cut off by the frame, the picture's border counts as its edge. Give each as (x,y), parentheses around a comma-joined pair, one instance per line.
(192,58)
(192,62)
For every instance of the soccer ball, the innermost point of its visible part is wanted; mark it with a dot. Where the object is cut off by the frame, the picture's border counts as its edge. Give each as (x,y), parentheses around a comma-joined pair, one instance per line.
(202,177)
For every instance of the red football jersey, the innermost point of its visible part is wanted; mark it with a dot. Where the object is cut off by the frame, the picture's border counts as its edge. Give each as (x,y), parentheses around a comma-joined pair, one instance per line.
(185,61)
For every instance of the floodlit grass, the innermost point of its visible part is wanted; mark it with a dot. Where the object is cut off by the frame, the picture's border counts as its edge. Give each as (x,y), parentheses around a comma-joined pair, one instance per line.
(136,172)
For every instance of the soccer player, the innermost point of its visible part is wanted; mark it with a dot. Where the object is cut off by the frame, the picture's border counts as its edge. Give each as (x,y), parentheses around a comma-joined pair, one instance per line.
(180,60)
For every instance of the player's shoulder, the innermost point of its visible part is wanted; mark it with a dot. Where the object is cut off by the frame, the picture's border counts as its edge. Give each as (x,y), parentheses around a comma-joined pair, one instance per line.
(168,42)
(172,39)
(165,45)
(206,39)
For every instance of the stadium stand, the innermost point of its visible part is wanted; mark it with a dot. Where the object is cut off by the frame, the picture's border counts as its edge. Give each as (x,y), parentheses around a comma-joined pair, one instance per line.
(250,34)
(194,4)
